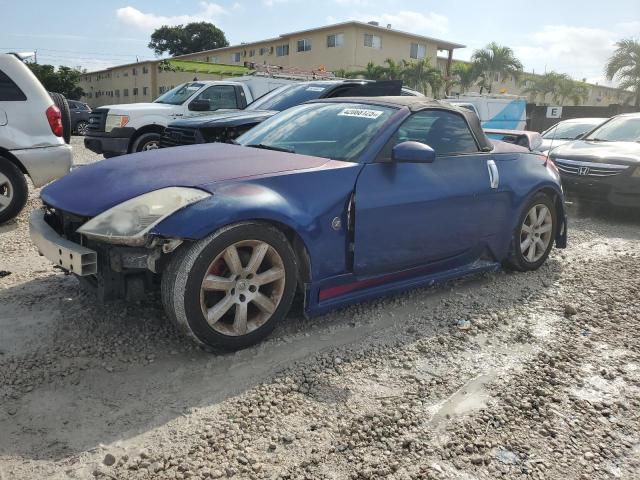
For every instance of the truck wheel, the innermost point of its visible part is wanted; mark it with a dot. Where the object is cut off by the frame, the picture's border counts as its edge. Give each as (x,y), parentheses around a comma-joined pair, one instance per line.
(13,190)
(146,141)
(62,104)
(230,289)
(81,127)
(533,239)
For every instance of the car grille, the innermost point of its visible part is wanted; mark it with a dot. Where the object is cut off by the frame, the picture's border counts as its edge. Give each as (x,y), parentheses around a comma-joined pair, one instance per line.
(97,120)
(589,169)
(173,137)
(65,223)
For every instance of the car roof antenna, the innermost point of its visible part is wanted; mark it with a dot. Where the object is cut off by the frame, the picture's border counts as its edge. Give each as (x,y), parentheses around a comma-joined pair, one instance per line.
(555,129)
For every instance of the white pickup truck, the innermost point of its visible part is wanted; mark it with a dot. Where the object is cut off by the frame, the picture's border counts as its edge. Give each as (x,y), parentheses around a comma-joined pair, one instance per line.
(119,129)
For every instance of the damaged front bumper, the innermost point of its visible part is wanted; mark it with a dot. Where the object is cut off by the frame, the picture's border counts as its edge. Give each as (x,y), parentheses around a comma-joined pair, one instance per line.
(111,271)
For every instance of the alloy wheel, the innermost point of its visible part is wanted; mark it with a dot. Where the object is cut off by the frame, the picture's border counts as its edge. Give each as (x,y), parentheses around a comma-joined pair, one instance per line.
(81,128)
(535,233)
(151,145)
(242,288)
(6,192)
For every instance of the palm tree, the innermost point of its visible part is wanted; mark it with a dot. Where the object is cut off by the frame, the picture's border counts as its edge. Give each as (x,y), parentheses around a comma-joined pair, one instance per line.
(494,62)
(393,70)
(372,72)
(466,75)
(624,65)
(422,76)
(542,85)
(569,89)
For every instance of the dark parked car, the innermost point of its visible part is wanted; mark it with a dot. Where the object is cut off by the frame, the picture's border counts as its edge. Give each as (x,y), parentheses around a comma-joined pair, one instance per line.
(225,126)
(605,164)
(567,130)
(79,116)
(341,200)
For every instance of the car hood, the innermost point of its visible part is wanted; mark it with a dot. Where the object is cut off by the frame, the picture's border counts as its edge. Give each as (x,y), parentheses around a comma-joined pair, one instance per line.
(547,143)
(625,153)
(92,189)
(224,119)
(128,108)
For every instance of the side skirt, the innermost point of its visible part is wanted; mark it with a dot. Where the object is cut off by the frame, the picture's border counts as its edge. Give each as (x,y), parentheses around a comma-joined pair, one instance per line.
(348,289)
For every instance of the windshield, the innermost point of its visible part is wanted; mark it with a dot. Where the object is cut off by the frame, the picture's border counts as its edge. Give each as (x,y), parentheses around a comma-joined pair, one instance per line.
(180,94)
(288,96)
(569,130)
(338,131)
(618,129)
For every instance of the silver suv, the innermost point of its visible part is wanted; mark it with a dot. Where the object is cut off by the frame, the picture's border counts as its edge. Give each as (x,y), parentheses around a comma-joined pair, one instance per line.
(31,136)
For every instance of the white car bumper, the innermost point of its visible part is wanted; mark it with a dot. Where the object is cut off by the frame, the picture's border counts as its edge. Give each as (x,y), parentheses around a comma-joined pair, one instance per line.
(45,164)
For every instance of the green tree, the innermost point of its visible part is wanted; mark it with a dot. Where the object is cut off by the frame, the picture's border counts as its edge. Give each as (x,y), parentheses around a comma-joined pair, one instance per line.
(422,76)
(541,86)
(393,70)
(494,62)
(465,75)
(372,72)
(64,80)
(624,66)
(190,38)
(569,89)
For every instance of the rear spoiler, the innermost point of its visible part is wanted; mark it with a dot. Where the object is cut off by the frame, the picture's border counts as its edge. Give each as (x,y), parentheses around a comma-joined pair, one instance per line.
(523,138)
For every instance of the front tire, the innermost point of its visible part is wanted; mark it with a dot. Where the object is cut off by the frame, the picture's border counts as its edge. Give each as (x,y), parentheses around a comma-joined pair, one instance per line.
(81,127)
(533,238)
(229,290)
(146,141)
(14,190)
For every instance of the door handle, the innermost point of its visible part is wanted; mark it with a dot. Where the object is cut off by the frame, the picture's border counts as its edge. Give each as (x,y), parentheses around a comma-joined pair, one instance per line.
(494,175)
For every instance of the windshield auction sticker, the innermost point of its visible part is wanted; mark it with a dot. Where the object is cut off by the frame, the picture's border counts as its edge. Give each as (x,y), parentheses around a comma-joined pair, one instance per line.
(360,112)
(315,89)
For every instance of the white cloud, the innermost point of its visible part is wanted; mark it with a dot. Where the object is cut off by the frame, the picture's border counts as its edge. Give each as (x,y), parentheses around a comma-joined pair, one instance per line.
(271,3)
(581,52)
(414,22)
(130,16)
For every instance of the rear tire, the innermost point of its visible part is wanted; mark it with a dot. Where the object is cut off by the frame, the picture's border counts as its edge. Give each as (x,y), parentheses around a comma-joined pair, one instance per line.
(62,104)
(533,238)
(225,304)
(146,141)
(14,190)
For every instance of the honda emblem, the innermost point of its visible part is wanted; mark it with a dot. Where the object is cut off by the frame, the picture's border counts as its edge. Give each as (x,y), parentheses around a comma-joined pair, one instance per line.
(583,171)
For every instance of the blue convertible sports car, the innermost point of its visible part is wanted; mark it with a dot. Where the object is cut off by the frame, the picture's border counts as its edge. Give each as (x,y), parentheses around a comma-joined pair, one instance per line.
(341,200)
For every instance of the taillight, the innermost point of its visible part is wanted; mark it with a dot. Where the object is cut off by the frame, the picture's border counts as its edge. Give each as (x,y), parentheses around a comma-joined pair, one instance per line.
(55,120)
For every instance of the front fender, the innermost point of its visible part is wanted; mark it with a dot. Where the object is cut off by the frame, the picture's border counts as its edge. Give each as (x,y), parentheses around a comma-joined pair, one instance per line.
(306,203)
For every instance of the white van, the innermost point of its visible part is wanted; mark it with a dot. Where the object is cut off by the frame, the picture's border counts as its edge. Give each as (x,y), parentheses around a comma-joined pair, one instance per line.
(505,112)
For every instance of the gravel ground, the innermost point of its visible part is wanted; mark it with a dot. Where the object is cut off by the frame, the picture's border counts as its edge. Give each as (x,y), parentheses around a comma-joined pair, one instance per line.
(506,375)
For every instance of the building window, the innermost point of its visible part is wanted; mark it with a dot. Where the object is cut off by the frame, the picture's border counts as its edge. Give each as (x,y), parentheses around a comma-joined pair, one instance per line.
(335,40)
(263,50)
(134,72)
(145,69)
(118,93)
(372,41)
(162,90)
(135,92)
(252,53)
(282,50)
(304,45)
(145,91)
(125,92)
(235,57)
(418,51)
(125,74)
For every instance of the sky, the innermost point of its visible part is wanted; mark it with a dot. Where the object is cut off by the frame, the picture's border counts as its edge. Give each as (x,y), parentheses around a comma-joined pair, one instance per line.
(568,36)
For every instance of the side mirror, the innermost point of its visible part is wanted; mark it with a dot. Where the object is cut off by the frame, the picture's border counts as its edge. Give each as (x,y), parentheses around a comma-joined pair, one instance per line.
(413,152)
(200,106)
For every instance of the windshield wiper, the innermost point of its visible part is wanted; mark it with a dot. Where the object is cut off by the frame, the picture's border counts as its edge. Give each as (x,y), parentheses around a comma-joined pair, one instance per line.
(271,147)
(599,140)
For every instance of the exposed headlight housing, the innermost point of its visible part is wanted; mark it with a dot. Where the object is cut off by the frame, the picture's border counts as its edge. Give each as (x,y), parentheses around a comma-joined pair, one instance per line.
(129,222)
(115,121)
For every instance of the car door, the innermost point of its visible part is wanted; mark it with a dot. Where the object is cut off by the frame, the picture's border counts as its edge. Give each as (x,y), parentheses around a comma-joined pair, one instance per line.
(413,214)
(217,97)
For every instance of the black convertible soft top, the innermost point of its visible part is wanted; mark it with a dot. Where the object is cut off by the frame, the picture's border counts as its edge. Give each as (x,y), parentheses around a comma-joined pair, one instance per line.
(416,104)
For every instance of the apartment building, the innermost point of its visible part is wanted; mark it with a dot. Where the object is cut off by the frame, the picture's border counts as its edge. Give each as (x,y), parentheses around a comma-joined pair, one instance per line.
(348,45)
